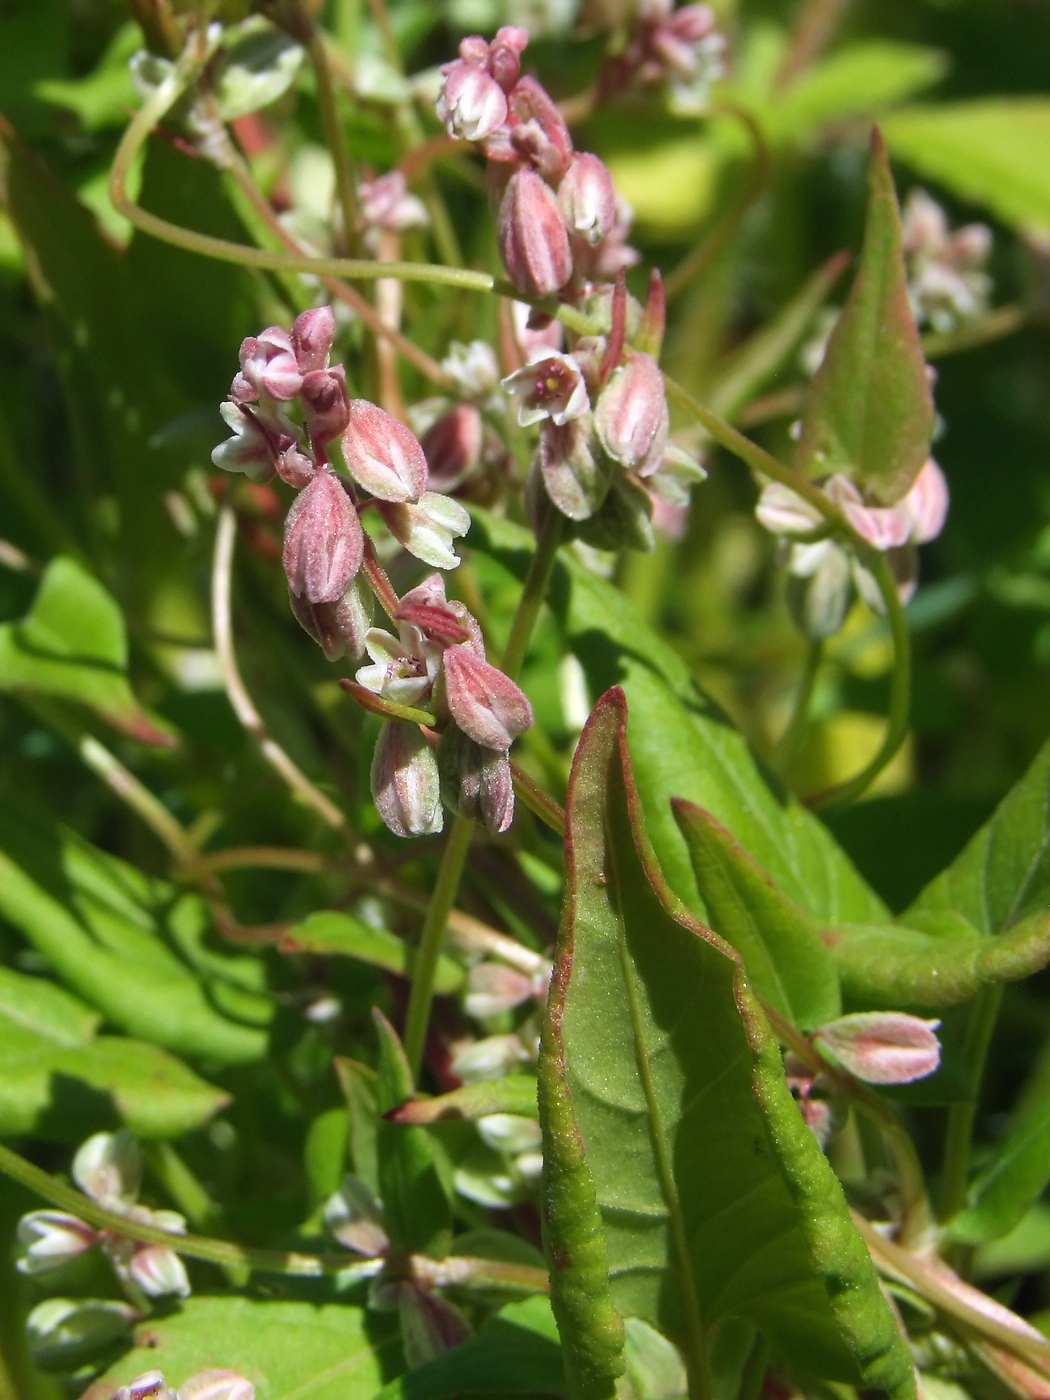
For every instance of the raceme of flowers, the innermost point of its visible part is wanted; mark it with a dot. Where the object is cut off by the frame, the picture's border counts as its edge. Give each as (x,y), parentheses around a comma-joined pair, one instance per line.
(824,571)
(947,283)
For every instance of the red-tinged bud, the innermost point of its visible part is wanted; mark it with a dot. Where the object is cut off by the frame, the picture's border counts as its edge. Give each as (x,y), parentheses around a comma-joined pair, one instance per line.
(587,199)
(883,1047)
(312,336)
(323,541)
(486,704)
(474,49)
(817,1116)
(926,503)
(631,416)
(452,446)
(617,330)
(538,131)
(295,467)
(159,1272)
(476,783)
(532,236)
(339,628)
(651,332)
(429,1324)
(575,481)
(493,988)
(269,365)
(504,60)
(383,455)
(326,404)
(437,623)
(472,104)
(217,1383)
(405,784)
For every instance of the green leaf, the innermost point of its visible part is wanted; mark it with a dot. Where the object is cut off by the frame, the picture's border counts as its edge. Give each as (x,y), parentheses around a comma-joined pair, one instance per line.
(1011,1183)
(329,931)
(992,152)
(858,80)
(255,69)
(515,1353)
(514,1093)
(415,1207)
(103,927)
(652,1038)
(682,745)
(358,1083)
(285,1349)
(787,962)
(103,97)
(869,411)
(71,645)
(59,1082)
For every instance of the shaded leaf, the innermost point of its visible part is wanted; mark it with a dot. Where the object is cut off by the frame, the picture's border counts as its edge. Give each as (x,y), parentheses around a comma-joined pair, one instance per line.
(72,645)
(514,1093)
(683,746)
(1011,1182)
(869,411)
(415,1207)
(284,1349)
(652,1035)
(330,931)
(787,962)
(857,79)
(992,151)
(58,1081)
(358,1083)
(515,1353)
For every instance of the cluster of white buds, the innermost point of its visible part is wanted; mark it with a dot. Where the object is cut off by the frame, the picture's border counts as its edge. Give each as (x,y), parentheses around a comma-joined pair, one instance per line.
(216,1383)
(947,283)
(108,1168)
(681,49)
(324,544)
(823,572)
(437,664)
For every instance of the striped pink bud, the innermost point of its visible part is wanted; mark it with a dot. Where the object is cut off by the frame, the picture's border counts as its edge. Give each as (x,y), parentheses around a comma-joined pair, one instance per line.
(382,454)
(323,541)
(533,239)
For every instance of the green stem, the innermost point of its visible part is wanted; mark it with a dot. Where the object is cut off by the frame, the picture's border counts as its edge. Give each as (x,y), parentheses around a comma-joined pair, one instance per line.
(424,968)
(955,1173)
(900,694)
(533,594)
(789,740)
(345,178)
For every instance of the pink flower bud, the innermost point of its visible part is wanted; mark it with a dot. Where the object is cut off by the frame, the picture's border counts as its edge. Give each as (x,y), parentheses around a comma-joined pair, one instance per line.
(269,365)
(631,417)
(493,988)
(326,405)
(150,1386)
(312,336)
(295,467)
(553,387)
(429,1324)
(427,527)
(383,455)
(217,1383)
(339,628)
(926,504)
(452,446)
(386,203)
(486,704)
(883,1047)
(532,236)
(476,783)
(159,1272)
(817,1116)
(587,199)
(47,1239)
(538,132)
(405,782)
(323,541)
(472,104)
(355,1218)
(504,59)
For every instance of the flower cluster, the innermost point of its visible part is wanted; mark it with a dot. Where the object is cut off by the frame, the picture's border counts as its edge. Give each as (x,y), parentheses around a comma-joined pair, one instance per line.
(947,284)
(680,48)
(437,663)
(108,1168)
(823,571)
(217,1383)
(324,543)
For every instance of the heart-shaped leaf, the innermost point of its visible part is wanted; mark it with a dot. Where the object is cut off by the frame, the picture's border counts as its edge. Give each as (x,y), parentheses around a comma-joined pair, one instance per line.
(681,1184)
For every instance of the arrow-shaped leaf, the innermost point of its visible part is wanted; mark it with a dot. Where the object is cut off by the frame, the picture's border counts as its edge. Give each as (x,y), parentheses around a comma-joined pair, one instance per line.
(681,1184)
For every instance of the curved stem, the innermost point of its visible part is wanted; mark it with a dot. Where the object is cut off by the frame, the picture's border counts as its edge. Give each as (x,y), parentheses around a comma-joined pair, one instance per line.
(900,695)
(958,1138)
(243,705)
(424,968)
(792,735)
(696,263)
(533,594)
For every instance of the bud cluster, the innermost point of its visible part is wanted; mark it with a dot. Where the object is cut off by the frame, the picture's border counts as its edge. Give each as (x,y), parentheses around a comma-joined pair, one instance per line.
(823,572)
(437,663)
(947,283)
(679,48)
(108,1169)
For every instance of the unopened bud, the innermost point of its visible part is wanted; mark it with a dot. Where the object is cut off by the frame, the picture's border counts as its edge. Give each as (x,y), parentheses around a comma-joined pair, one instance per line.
(108,1167)
(926,503)
(504,58)
(294,467)
(533,239)
(587,199)
(269,365)
(452,446)
(429,1324)
(489,1059)
(405,783)
(340,627)
(493,988)
(883,1047)
(217,1383)
(782,511)
(476,783)
(150,1386)
(382,454)
(427,527)
(631,416)
(47,1239)
(312,336)
(64,1334)
(538,131)
(323,541)
(326,405)
(472,104)
(159,1272)
(486,704)
(355,1218)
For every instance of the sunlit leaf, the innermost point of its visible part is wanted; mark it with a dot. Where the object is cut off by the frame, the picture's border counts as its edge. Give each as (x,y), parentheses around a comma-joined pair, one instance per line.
(330,931)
